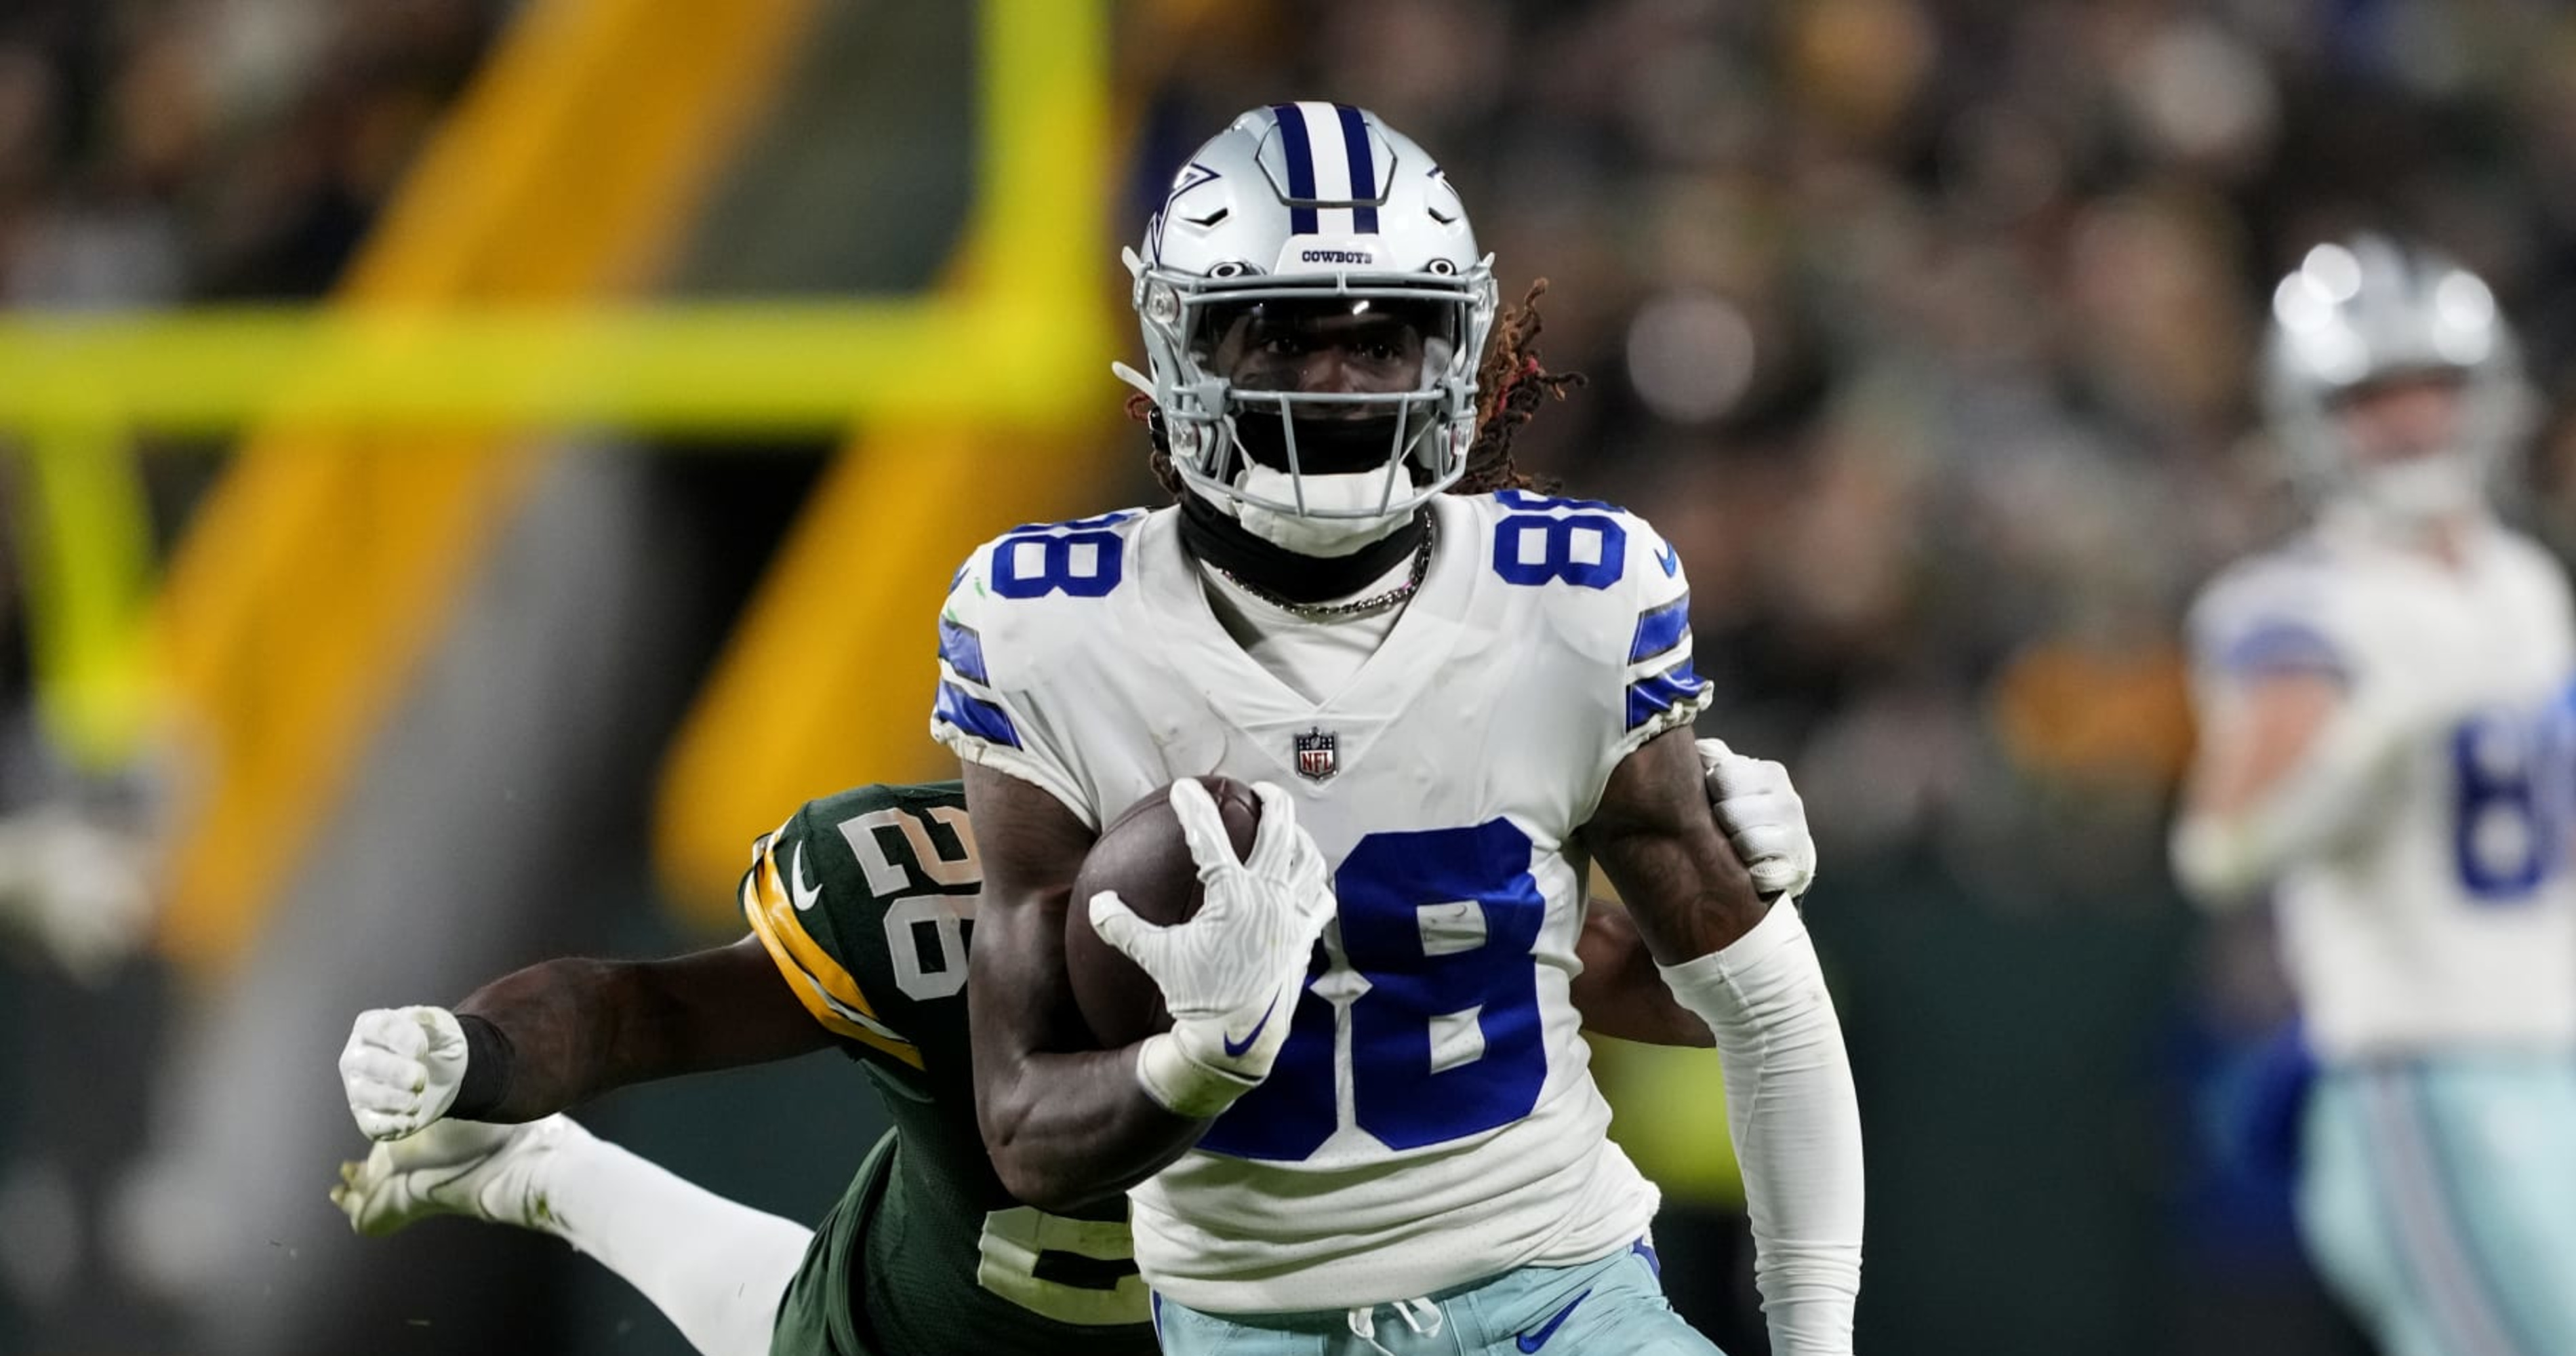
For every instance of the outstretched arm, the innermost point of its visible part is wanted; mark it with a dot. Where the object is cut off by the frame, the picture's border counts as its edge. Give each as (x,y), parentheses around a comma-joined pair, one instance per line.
(1746,968)
(546,1037)
(558,1033)
(579,1028)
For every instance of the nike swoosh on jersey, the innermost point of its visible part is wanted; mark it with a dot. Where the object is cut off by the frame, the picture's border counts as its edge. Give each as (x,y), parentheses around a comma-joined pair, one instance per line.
(1532,1341)
(1669,558)
(796,890)
(852,1015)
(1232,1050)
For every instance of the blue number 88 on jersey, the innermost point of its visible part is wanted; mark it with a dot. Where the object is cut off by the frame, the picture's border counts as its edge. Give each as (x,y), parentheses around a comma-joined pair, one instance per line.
(1542,546)
(2515,777)
(1078,558)
(1446,1035)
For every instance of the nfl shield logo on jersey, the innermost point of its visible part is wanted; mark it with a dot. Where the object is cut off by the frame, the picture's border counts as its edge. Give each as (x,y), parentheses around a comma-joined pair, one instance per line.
(1315,760)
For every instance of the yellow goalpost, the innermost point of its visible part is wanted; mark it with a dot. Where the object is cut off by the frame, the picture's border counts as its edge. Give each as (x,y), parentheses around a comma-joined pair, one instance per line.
(448,364)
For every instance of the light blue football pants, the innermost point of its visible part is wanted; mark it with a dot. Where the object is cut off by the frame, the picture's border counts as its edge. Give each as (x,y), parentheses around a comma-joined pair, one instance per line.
(1615,1305)
(2438,1198)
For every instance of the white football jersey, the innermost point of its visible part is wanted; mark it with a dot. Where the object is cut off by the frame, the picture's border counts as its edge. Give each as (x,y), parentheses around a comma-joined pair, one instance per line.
(1432,1119)
(2448,917)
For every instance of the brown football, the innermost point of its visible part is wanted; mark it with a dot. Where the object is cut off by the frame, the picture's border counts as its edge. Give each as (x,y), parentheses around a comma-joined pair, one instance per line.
(1143,857)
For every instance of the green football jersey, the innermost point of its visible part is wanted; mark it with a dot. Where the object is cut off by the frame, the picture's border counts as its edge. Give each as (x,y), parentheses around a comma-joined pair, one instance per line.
(866,901)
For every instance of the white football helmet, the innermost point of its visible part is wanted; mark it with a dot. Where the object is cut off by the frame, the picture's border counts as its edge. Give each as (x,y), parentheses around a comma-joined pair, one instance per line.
(2369,310)
(1315,204)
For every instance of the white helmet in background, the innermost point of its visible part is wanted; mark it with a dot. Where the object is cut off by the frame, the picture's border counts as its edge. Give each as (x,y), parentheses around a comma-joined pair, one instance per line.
(2369,310)
(1311,204)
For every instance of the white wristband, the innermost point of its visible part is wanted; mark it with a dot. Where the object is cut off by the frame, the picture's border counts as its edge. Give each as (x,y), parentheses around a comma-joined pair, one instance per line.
(1184,1086)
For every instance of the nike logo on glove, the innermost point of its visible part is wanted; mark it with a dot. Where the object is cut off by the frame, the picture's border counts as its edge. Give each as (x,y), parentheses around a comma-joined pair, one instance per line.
(1532,1341)
(1233,1050)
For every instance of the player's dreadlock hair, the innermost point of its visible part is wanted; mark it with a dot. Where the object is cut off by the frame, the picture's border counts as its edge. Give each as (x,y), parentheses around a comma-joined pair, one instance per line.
(1510,387)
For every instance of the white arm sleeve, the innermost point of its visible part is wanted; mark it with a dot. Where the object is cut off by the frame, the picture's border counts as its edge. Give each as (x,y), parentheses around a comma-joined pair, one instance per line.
(1796,1121)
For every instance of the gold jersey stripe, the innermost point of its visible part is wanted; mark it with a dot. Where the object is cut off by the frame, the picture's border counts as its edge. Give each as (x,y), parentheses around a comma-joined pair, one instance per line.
(785,919)
(826,989)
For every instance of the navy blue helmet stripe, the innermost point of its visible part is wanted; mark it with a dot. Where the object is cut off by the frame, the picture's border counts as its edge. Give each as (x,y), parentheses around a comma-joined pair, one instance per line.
(2282,647)
(1355,144)
(1301,167)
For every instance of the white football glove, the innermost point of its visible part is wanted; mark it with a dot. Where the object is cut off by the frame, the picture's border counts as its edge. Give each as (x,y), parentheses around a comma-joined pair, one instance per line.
(401,1068)
(486,1172)
(1231,973)
(1761,814)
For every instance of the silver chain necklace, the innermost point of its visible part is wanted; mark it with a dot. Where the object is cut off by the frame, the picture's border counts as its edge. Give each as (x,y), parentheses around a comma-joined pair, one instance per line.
(1357,607)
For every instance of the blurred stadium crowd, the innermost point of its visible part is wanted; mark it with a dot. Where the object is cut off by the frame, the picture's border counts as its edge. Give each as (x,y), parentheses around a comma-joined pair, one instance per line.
(1925,328)
(154,153)
(1928,331)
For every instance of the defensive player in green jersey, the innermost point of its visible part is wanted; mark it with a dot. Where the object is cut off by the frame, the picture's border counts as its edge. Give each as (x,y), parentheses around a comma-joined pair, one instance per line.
(863,904)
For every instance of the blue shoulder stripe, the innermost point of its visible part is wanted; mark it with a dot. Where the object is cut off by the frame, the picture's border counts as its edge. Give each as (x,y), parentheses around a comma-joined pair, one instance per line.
(963,650)
(1660,629)
(1652,697)
(975,716)
(2282,647)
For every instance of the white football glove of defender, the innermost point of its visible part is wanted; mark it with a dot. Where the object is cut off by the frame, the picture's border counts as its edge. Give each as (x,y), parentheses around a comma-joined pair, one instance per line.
(487,1172)
(401,1068)
(1761,814)
(1231,973)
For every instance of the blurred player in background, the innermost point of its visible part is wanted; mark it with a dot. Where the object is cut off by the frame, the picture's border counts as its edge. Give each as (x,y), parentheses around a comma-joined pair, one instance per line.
(2385,745)
(1450,693)
(861,909)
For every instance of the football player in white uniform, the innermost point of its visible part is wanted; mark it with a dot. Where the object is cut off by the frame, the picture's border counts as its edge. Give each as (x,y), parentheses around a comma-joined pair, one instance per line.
(1452,694)
(2385,745)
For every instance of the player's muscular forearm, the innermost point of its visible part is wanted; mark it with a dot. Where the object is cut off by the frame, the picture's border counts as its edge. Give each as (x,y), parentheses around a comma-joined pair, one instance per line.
(1619,993)
(1656,836)
(1064,1125)
(571,1029)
